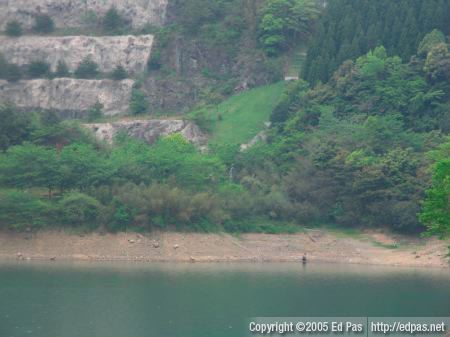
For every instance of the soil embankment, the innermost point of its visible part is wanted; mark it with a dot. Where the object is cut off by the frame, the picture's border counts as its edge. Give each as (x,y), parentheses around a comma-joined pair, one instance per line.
(319,245)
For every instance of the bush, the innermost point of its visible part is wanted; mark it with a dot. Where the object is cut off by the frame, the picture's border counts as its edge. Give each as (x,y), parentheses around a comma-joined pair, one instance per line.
(78,209)
(43,24)
(62,70)
(13,28)
(112,22)
(20,210)
(119,73)
(138,102)
(38,69)
(95,112)
(87,69)
(13,73)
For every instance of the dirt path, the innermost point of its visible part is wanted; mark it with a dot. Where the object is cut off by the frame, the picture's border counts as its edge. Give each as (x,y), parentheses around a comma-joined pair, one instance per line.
(319,245)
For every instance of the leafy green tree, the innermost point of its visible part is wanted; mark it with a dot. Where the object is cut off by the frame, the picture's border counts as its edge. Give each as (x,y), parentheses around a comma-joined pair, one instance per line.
(37,69)
(430,40)
(78,209)
(87,69)
(119,73)
(138,102)
(43,23)
(13,28)
(15,126)
(13,73)
(285,21)
(436,207)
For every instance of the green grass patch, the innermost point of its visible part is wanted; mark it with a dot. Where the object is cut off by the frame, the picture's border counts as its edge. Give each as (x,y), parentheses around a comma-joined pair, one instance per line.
(241,117)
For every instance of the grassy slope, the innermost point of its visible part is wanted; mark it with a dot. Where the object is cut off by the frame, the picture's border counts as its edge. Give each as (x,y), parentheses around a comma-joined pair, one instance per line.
(244,115)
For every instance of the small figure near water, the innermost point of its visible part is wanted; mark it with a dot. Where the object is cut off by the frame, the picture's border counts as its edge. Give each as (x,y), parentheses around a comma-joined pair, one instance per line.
(304,259)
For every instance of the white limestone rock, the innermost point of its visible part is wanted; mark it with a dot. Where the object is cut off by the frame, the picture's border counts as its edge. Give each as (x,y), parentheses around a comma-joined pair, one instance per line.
(132,52)
(67,95)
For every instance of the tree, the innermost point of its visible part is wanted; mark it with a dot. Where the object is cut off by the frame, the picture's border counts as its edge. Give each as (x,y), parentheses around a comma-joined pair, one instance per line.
(112,22)
(13,28)
(436,207)
(13,73)
(284,21)
(95,112)
(429,41)
(37,69)
(15,126)
(87,69)
(62,70)
(138,102)
(119,73)
(43,24)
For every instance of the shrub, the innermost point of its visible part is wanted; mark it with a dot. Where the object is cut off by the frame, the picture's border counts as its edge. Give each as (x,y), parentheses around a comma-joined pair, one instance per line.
(13,28)
(87,69)
(138,102)
(95,112)
(13,73)
(78,209)
(38,69)
(119,73)
(62,70)
(20,210)
(43,24)
(112,22)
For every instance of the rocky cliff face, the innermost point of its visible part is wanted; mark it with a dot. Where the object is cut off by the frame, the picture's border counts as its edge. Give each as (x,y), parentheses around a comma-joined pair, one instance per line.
(132,52)
(70,97)
(149,130)
(73,13)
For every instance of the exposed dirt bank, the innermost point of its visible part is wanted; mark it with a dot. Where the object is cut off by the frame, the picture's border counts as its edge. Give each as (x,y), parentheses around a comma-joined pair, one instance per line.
(319,245)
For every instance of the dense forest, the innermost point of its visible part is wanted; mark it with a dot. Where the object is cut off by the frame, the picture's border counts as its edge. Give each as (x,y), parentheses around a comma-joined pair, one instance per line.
(362,141)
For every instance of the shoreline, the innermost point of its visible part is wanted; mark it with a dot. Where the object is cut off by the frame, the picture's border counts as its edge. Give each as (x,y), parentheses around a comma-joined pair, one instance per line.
(367,248)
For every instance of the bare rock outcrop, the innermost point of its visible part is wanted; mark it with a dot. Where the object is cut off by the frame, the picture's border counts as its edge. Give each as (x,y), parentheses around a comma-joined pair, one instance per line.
(74,13)
(149,130)
(132,52)
(71,97)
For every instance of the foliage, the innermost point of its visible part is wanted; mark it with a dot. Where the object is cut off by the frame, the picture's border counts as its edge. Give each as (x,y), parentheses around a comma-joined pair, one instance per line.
(349,28)
(38,69)
(284,22)
(112,21)
(436,207)
(15,126)
(62,70)
(138,102)
(13,28)
(87,69)
(79,209)
(95,112)
(119,73)
(43,23)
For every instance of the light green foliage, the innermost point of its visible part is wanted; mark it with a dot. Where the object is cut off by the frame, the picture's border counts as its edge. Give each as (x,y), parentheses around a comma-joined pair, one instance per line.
(77,209)
(283,22)
(430,40)
(13,28)
(243,115)
(138,102)
(436,207)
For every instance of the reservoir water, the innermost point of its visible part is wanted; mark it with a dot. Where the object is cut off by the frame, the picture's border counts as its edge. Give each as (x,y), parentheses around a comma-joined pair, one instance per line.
(203,300)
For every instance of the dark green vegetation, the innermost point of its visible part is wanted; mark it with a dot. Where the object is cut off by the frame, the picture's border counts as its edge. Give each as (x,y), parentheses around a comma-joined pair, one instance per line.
(13,28)
(367,147)
(351,28)
(43,24)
